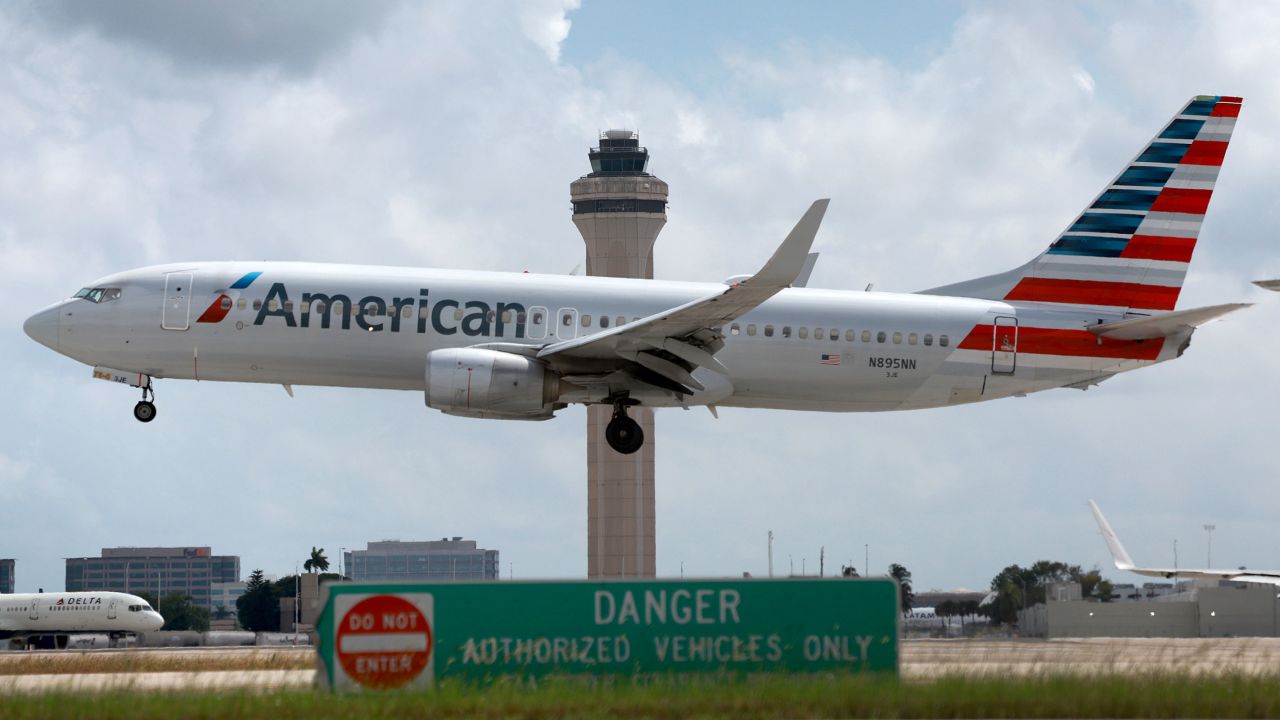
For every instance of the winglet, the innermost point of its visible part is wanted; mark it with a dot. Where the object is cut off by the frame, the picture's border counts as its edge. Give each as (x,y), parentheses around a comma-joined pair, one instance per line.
(784,268)
(1121,558)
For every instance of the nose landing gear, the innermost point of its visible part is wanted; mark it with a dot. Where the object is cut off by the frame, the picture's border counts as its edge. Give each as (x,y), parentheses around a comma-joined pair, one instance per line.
(145,410)
(622,433)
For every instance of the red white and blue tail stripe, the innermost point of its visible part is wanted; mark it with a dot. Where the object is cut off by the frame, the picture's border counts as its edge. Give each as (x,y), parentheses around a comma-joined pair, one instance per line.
(1129,250)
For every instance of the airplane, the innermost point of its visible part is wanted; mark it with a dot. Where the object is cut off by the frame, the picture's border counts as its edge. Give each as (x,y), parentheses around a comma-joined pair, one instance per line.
(1124,562)
(1268,284)
(519,346)
(47,619)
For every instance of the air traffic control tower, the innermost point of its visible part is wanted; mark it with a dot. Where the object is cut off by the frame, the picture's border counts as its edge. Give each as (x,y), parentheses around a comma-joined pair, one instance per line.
(619,208)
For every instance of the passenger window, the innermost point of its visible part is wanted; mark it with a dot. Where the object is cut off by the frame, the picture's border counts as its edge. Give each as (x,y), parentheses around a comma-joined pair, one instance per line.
(492,315)
(288,306)
(457,314)
(817,333)
(586,321)
(849,335)
(911,339)
(520,318)
(803,333)
(880,336)
(604,321)
(768,331)
(835,334)
(734,329)
(406,312)
(257,304)
(897,338)
(866,336)
(928,339)
(621,320)
(240,304)
(751,329)
(943,340)
(226,303)
(567,320)
(786,331)
(273,306)
(537,318)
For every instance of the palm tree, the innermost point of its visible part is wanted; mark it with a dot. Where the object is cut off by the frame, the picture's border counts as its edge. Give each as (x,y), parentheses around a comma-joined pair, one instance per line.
(318,561)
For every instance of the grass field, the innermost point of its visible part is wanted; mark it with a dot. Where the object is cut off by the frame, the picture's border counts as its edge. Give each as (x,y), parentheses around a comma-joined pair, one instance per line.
(1047,697)
(63,663)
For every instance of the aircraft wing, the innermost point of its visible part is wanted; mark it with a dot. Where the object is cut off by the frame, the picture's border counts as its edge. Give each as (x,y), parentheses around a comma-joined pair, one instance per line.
(1268,284)
(1158,326)
(666,347)
(1124,562)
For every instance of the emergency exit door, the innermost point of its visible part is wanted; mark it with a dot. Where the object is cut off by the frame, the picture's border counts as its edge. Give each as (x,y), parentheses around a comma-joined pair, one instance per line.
(177,301)
(1004,345)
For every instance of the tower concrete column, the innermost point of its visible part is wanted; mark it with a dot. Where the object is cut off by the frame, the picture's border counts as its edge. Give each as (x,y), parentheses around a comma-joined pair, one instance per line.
(619,208)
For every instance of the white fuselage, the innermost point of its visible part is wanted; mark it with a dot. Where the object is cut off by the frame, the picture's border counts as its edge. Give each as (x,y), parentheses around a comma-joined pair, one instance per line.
(76,612)
(803,349)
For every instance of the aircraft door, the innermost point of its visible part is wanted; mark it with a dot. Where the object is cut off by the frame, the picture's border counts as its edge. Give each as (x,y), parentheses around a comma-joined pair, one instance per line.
(177,301)
(567,323)
(1004,345)
(111,610)
(35,609)
(537,328)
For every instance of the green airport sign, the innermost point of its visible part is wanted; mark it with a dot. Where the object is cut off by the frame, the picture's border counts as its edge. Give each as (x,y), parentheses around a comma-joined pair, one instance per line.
(395,635)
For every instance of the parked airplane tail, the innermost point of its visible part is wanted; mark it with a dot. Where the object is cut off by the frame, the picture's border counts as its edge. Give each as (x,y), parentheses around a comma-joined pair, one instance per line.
(1130,248)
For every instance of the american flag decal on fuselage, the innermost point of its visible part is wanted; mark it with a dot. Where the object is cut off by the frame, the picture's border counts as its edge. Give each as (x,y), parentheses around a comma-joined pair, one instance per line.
(826,359)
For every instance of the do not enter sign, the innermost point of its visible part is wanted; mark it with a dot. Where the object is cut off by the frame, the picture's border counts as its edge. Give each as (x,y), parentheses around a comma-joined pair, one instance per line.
(384,641)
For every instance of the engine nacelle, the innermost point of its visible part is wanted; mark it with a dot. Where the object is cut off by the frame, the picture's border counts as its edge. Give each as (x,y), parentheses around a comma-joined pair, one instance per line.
(490,384)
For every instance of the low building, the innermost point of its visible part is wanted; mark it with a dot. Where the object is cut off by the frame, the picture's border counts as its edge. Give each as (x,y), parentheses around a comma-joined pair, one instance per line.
(191,571)
(222,601)
(1232,611)
(7,576)
(443,559)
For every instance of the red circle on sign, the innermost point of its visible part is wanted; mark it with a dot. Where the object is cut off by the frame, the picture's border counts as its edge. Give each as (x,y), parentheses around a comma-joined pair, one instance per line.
(384,642)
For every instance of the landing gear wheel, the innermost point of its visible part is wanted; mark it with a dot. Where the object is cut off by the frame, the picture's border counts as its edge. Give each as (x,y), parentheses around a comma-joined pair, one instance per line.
(144,411)
(624,434)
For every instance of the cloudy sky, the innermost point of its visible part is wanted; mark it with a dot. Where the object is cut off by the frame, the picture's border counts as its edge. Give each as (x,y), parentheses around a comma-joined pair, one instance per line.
(954,140)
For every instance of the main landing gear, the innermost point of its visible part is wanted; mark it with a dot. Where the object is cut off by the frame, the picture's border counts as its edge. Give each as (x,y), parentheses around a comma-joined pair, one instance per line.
(623,434)
(145,410)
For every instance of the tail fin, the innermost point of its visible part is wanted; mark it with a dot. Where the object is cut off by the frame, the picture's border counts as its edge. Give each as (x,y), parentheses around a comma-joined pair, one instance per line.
(1131,247)
(1121,558)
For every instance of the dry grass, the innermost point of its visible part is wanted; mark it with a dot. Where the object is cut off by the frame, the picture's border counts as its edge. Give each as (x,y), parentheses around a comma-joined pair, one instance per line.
(78,662)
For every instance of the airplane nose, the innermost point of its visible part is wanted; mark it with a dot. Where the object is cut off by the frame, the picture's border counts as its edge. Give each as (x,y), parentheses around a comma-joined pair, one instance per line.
(43,327)
(155,621)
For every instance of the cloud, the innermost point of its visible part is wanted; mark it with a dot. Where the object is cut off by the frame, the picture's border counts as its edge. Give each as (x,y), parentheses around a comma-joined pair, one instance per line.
(231,35)
(447,135)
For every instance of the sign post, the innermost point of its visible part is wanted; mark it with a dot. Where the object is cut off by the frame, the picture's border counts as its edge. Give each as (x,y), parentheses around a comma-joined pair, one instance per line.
(398,635)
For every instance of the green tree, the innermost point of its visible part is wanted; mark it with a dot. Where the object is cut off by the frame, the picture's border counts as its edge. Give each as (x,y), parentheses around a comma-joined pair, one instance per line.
(258,608)
(903,576)
(849,571)
(181,613)
(318,562)
(1018,587)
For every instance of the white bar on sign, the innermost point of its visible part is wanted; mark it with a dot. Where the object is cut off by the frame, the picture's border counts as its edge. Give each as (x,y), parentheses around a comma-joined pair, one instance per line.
(383,642)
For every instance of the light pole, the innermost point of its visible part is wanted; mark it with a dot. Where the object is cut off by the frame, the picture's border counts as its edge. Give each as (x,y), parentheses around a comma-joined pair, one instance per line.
(866,559)
(1209,528)
(770,553)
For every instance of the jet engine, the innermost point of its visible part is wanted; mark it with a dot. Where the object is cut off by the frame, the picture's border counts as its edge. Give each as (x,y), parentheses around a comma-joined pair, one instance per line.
(490,384)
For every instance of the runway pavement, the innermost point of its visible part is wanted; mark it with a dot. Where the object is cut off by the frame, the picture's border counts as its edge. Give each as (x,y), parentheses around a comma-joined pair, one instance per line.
(272,668)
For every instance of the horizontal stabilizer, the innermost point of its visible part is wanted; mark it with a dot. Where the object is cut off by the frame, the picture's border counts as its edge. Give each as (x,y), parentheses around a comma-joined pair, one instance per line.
(1158,326)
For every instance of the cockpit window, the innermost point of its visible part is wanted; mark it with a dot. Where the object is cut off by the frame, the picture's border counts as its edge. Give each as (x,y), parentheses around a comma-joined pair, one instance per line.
(98,295)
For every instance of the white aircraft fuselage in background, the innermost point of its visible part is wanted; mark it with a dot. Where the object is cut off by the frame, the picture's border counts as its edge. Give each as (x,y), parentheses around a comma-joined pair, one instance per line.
(113,613)
(1099,301)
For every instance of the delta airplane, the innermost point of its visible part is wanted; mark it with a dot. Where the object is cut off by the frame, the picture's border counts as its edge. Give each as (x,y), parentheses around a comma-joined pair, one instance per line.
(1098,302)
(1124,562)
(53,616)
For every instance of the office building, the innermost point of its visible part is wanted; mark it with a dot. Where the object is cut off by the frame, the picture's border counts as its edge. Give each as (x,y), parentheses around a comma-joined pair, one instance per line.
(7,575)
(159,571)
(443,559)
